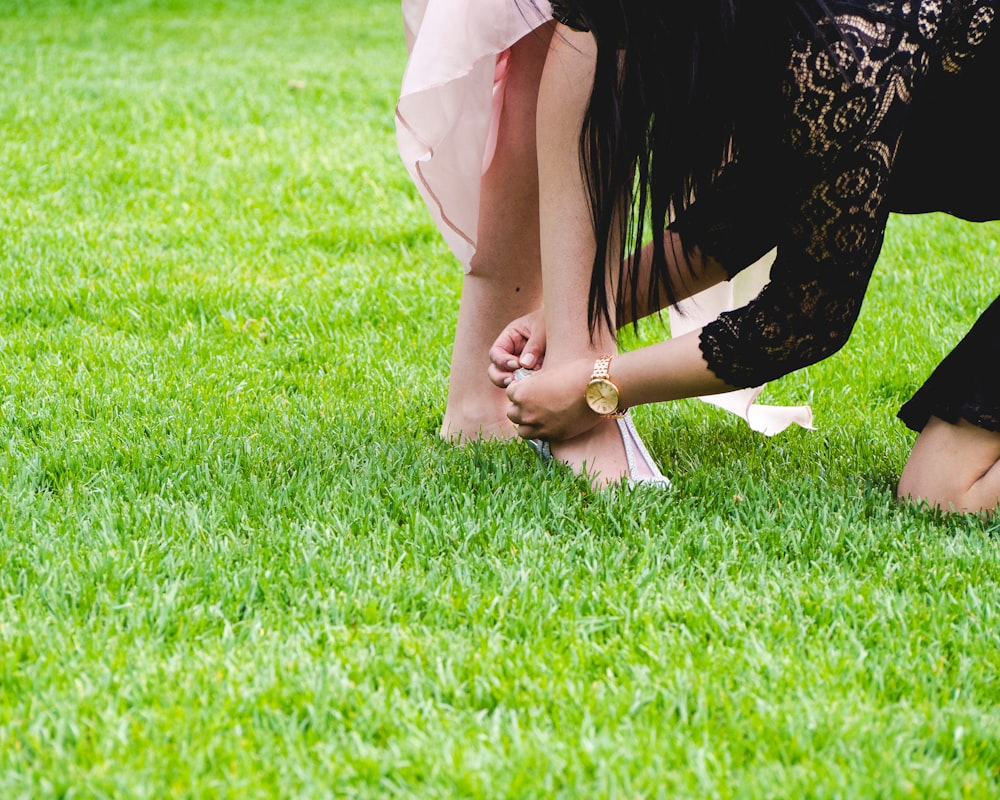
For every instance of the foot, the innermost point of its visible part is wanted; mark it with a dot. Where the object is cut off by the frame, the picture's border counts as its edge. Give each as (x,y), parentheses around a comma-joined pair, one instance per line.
(460,430)
(642,470)
(609,454)
(598,453)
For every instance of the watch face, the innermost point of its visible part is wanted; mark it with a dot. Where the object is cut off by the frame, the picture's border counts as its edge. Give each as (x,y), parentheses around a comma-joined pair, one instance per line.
(602,397)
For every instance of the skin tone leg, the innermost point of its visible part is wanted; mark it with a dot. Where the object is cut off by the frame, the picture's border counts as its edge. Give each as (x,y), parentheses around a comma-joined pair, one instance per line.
(954,468)
(567,243)
(505,276)
(567,248)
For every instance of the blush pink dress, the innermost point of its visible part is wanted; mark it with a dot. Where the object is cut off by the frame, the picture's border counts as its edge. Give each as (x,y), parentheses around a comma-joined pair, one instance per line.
(450,102)
(446,121)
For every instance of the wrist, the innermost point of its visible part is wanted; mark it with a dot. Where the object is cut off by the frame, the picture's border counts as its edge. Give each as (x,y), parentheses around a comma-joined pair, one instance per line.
(601,393)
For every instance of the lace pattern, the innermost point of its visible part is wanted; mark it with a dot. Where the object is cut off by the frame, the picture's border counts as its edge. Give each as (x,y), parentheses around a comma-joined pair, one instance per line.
(844,113)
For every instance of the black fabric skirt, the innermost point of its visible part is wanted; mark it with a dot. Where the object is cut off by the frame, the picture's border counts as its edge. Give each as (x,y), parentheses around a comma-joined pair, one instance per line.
(949,160)
(966,385)
(949,155)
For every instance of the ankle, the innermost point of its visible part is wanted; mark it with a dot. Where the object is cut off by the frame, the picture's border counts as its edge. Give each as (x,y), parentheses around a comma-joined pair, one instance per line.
(460,430)
(598,452)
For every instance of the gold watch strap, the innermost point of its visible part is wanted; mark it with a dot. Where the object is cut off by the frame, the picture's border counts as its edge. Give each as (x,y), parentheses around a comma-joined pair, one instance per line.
(602,369)
(602,372)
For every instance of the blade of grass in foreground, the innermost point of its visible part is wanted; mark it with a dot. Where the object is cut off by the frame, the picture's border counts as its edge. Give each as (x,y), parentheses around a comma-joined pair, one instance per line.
(237,562)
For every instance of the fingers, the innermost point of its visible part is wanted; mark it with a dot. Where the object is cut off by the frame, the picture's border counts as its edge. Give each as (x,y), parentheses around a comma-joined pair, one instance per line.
(520,344)
(503,362)
(500,377)
(549,405)
(527,424)
(505,355)
(507,347)
(525,428)
(533,352)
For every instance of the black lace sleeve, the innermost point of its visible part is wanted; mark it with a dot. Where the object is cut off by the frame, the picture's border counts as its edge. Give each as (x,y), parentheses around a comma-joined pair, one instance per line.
(843,122)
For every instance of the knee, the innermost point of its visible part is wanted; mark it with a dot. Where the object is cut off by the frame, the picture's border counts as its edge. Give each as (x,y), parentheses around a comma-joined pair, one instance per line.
(945,492)
(924,482)
(948,502)
(954,468)
(915,488)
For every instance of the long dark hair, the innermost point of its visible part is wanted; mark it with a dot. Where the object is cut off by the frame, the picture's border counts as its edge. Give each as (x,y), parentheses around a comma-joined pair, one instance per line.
(675,80)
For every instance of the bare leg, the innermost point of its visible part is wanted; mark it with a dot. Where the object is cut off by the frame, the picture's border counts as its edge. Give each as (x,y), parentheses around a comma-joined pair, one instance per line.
(505,277)
(567,244)
(954,468)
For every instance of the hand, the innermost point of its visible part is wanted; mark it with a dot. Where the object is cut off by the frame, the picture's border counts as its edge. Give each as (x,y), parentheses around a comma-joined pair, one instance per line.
(550,404)
(520,344)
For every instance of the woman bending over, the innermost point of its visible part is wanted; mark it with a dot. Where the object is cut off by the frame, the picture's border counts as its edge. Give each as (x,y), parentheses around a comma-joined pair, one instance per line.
(735,127)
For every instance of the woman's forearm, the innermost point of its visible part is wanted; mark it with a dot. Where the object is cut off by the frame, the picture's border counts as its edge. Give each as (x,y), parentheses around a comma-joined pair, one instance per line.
(670,370)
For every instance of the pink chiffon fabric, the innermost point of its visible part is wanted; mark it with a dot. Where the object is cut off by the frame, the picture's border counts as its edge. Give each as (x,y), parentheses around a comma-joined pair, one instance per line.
(446,121)
(450,102)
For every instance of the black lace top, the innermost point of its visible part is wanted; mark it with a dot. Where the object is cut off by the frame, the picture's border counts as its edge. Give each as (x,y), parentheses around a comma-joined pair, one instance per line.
(894,120)
(834,180)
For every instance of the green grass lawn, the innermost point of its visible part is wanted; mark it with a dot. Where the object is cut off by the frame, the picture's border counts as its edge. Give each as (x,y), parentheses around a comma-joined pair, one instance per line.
(236,561)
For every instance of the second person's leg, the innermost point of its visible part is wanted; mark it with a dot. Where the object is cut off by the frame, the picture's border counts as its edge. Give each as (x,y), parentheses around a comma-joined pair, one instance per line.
(504,280)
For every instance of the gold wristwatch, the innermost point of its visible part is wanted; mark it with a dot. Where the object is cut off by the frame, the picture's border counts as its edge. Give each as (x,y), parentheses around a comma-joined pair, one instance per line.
(602,395)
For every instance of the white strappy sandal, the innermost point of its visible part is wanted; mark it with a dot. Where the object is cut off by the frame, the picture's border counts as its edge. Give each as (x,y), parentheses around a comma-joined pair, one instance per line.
(648,474)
